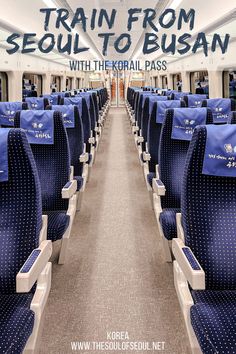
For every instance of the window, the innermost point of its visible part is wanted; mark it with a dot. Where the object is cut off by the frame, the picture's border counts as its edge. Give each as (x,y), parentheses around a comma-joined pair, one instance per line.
(199,82)
(156,82)
(3,87)
(55,83)
(229,84)
(78,83)
(177,82)
(164,81)
(69,83)
(32,83)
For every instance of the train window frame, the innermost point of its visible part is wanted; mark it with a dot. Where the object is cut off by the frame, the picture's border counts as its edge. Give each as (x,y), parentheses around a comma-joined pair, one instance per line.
(6,95)
(192,81)
(175,87)
(226,85)
(60,81)
(40,78)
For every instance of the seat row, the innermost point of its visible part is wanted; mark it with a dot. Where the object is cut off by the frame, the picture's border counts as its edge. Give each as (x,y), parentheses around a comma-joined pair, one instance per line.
(188,156)
(44,164)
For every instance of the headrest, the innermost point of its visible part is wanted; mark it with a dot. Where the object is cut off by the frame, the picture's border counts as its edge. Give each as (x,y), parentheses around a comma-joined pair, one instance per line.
(220,151)
(87,96)
(8,111)
(221,109)
(4,154)
(185,121)
(35,103)
(77,101)
(179,95)
(154,99)
(53,99)
(162,106)
(195,100)
(68,114)
(38,126)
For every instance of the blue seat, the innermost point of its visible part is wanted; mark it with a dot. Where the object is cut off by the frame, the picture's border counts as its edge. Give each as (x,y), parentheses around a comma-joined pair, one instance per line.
(53,99)
(194,101)
(172,156)
(8,111)
(153,135)
(53,165)
(74,128)
(20,237)
(208,221)
(35,103)
(178,95)
(221,108)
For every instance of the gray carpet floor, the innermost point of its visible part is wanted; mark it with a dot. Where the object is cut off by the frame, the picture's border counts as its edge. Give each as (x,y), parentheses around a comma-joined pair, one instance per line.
(115,277)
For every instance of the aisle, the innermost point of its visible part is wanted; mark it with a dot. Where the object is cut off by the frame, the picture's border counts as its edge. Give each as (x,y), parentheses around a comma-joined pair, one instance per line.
(115,277)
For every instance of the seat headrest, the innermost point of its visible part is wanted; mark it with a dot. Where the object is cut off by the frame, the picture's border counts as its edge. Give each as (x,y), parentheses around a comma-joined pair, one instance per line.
(38,126)
(77,101)
(185,121)
(220,151)
(4,132)
(195,101)
(68,114)
(178,95)
(162,106)
(220,107)
(52,99)
(8,111)
(35,103)
(155,98)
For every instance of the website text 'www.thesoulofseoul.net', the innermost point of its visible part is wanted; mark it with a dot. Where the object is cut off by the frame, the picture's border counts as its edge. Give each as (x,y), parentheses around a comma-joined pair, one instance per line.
(117,342)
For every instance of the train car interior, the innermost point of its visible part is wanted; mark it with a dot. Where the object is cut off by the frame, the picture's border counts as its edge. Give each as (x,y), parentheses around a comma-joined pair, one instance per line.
(117,183)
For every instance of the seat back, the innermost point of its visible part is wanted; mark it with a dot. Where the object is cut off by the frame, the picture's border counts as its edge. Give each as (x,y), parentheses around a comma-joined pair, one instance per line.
(146,112)
(208,204)
(35,103)
(53,99)
(91,108)
(52,156)
(8,111)
(194,101)
(173,151)
(178,95)
(21,208)
(154,127)
(221,108)
(74,128)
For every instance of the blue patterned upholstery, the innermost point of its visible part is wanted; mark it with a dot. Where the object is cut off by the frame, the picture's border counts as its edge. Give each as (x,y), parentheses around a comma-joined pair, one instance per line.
(168,222)
(208,216)
(76,142)
(80,182)
(53,165)
(16,322)
(213,320)
(172,156)
(58,223)
(150,177)
(20,225)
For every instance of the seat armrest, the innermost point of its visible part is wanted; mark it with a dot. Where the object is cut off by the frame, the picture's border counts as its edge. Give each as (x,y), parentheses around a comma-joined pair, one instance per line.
(158,187)
(135,129)
(189,265)
(69,189)
(91,140)
(33,267)
(140,139)
(44,229)
(84,157)
(146,156)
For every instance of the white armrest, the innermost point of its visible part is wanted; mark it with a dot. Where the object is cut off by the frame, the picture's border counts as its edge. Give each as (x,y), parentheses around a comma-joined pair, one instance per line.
(157,171)
(69,190)
(158,187)
(140,139)
(33,267)
(189,265)
(91,140)
(135,129)
(84,157)
(146,156)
